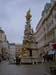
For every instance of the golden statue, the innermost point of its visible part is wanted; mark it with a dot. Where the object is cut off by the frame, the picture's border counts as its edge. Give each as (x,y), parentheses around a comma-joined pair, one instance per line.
(28,15)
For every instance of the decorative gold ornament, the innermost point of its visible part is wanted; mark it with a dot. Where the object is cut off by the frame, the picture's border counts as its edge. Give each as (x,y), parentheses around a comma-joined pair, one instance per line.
(28,15)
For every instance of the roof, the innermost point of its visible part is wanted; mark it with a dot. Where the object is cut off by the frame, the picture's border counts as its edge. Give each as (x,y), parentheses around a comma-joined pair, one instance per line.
(47,5)
(46,8)
(1,30)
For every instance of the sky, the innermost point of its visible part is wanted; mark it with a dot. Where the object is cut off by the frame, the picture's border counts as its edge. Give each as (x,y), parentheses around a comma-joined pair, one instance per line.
(12,17)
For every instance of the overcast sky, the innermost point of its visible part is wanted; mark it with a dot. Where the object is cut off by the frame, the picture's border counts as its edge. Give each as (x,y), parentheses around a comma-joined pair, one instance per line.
(12,16)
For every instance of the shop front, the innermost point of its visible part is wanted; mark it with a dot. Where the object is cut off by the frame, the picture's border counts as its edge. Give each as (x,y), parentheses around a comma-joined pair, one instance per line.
(51,55)
(52,52)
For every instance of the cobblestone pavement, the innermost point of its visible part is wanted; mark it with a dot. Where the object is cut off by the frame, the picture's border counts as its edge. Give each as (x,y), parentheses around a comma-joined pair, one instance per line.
(9,69)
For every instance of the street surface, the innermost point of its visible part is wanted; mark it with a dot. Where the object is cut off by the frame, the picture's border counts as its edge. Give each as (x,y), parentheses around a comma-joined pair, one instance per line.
(11,69)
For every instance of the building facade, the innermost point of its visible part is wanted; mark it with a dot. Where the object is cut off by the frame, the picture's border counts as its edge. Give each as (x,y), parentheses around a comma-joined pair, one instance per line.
(18,50)
(12,51)
(4,45)
(46,28)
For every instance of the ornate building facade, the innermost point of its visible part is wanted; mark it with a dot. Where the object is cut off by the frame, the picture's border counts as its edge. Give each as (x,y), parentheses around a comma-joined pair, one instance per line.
(46,28)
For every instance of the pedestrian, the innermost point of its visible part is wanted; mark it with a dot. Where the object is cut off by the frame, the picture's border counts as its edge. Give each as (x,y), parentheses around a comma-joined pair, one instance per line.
(0,59)
(19,59)
(44,58)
